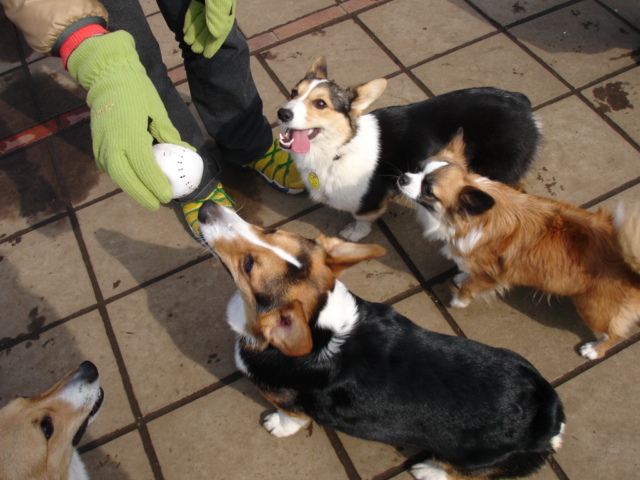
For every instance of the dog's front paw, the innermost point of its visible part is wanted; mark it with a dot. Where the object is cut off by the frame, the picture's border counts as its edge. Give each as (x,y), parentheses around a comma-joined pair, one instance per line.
(428,471)
(355,231)
(459,278)
(456,302)
(280,424)
(589,351)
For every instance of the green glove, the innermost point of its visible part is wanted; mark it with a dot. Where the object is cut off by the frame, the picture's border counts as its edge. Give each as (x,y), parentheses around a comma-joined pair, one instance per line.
(207,26)
(127,114)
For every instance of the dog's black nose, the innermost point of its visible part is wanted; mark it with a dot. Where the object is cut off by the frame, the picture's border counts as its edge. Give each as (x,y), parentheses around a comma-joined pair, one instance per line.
(207,212)
(285,115)
(88,372)
(404,180)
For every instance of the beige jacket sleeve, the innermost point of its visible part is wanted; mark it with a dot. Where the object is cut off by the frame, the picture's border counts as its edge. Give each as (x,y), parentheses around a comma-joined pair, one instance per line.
(42,21)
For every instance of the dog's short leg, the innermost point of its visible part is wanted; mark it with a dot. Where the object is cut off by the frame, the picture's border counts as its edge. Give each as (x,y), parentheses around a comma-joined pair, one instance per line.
(280,424)
(593,350)
(361,226)
(428,471)
(470,287)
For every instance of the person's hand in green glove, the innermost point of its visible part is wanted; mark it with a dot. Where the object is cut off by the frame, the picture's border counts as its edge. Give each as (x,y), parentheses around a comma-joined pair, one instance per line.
(127,114)
(207,25)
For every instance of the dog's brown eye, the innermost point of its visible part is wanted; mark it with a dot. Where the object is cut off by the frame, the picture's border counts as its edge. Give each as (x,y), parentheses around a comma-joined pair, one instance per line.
(427,191)
(46,425)
(320,104)
(247,264)
(294,93)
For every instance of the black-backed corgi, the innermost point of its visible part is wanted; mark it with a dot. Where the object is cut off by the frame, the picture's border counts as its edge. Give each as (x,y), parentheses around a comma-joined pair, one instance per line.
(317,351)
(352,161)
(39,435)
(500,237)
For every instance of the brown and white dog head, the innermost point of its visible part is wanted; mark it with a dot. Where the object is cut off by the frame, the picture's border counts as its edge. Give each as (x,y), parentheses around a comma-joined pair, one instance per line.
(321,112)
(282,278)
(39,434)
(446,190)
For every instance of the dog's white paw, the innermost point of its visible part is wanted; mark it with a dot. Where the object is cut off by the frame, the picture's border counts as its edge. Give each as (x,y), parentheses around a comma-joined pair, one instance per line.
(589,351)
(280,424)
(459,278)
(428,471)
(355,231)
(457,303)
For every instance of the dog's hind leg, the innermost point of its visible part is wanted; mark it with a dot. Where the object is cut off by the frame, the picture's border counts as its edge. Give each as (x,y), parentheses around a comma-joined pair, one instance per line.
(361,225)
(470,287)
(431,470)
(279,424)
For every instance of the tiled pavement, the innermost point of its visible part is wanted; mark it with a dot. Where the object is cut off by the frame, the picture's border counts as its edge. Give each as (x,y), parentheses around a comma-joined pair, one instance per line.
(85,273)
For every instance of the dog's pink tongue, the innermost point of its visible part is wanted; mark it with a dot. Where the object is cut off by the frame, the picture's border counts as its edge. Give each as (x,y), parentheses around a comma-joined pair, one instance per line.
(301,142)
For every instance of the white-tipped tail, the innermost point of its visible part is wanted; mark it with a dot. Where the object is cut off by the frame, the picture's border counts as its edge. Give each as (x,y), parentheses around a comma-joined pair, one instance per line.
(626,223)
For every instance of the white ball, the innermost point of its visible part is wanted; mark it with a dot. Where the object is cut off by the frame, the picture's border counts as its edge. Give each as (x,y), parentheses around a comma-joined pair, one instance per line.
(182,166)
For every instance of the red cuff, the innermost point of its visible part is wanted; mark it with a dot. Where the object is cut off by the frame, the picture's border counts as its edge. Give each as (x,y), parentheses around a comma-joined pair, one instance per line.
(77,38)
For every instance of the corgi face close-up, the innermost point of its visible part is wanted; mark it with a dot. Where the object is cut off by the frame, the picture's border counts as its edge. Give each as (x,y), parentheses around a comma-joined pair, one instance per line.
(40,434)
(281,278)
(320,109)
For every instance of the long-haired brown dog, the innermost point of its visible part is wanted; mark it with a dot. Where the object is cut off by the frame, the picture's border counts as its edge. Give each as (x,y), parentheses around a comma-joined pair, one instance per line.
(500,237)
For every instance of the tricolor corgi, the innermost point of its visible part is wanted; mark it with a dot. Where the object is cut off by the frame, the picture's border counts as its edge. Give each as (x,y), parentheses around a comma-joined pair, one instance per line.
(500,237)
(39,435)
(316,351)
(351,161)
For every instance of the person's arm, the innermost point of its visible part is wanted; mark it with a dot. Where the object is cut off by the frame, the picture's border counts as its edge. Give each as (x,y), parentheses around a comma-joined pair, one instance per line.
(127,114)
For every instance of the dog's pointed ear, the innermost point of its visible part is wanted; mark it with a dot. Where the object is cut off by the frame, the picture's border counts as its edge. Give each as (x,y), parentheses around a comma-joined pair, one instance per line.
(364,95)
(342,255)
(473,201)
(318,69)
(287,329)
(455,150)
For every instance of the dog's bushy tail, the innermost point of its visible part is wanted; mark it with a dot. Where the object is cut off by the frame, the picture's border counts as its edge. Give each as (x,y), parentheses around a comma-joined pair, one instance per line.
(626,224)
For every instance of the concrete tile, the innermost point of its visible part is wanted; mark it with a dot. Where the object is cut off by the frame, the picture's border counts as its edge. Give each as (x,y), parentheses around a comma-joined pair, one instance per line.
(129,245)
(506,12)
(32,367)
(361,62)
(627,197)
(222,433)
(425,254)
(171,53)
(494,62)
(582,157)
(428,27)
(421,310)
(16,104)
(272,97)
(57,91)
(30,189)
(401,90)
(619,98)
(255,16)
(602,422)
(149,6)
(373,458)
(307,23)
(582,42)
(182,321)
(83,179)
(375,280)
(123,459)
(544,331)
(43,279)
(628,9)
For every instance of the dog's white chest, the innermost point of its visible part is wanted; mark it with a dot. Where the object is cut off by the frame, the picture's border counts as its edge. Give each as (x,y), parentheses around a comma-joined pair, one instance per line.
(340,177)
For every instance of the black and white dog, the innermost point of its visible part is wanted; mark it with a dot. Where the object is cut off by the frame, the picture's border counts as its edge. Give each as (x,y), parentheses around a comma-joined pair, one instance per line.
(316,351)
(352,161)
